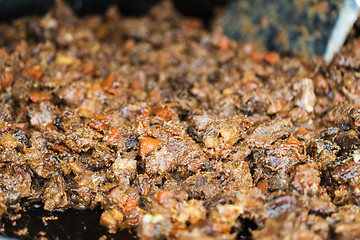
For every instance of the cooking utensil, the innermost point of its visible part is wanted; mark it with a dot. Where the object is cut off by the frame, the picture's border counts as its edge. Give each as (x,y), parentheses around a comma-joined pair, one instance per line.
(307,27)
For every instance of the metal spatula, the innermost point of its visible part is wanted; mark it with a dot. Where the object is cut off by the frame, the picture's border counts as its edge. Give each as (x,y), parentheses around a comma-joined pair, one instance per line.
(310,27)
(347,17)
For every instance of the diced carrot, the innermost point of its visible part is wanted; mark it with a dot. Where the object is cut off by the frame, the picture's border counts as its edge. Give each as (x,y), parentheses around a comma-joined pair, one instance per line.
(100,116)
(59,148)
(301,130)
(112,136)
(162,196)
(52,126)
(262,184)
(87,67)
(108,82)
(130,205)
(111,90)
(8,79)
(224,43)
(36,73)
(108,85)
(99,124)
(164,113)
(147,145)
(257,57)
(249,86)
(135,85)
(272,58)
(39,96)
(294,140)
(3,54)
(194,23)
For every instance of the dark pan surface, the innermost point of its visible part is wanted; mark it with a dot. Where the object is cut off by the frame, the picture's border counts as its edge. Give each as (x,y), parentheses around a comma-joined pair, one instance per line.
(71,224)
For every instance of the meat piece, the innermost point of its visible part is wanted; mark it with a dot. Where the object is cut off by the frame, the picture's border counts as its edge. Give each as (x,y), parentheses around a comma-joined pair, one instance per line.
(349,172)
(306,97)
(267,133)
(324,151)
(338,114)
(73,94)
(241,178)
(306,179)
(124,168)
(203,186)
(278,162)
(15,183)
(43,114)
(219,135)
(182,155)
(54,193)
(5,114)
(347,140)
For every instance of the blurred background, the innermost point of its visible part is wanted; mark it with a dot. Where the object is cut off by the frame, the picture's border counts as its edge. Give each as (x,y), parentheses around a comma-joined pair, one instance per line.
(11,9)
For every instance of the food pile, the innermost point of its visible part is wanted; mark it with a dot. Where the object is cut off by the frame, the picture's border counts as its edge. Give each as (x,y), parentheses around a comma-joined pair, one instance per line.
(177,131)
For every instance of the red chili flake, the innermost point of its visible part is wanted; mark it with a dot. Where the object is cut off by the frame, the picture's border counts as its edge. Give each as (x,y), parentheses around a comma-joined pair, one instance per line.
(39,96)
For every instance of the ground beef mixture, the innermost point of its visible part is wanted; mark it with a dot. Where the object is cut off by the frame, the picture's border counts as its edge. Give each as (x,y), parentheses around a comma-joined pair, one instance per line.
(176,131)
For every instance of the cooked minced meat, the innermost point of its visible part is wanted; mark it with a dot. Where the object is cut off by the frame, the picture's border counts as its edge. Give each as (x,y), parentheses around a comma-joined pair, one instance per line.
(176,131)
